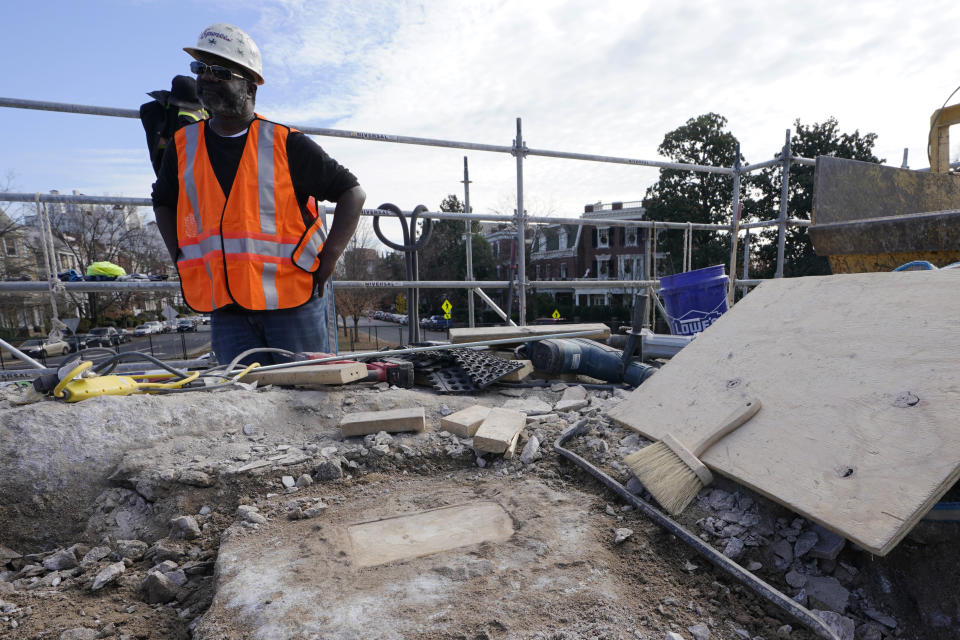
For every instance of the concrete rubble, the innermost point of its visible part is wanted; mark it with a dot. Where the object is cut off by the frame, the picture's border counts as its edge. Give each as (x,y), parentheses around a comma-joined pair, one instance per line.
(195,515)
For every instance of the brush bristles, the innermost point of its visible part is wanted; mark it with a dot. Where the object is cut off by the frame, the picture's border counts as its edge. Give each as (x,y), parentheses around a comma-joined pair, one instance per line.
(666,476)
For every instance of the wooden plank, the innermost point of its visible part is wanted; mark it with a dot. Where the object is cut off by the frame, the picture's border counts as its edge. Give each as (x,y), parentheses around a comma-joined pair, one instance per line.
(467,334)
(419,534)
(519,374)
(857,374)
(310,375)
(465,422)
(391,421)
(498,430)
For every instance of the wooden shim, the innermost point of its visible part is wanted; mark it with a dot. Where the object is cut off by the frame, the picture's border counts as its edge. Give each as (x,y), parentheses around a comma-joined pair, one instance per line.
(468,334)
(464,423)
(310,375)
(519,374)
(857,375)
(498,430)
(391,421)
(512,449)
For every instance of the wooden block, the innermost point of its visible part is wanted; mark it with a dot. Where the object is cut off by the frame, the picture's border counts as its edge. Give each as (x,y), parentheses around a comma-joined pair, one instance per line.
(465,422)
(391,421)
(499,430)
(310,375)
(597,330)
(519,374)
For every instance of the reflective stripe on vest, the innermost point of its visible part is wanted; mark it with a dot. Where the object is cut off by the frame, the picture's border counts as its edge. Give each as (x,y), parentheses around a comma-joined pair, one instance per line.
(191,135)
(257,250)
(268,214)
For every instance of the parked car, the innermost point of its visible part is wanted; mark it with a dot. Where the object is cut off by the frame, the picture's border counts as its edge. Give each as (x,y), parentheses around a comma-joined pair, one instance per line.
(205,319)
(125,335)
(37,347)
(104,337)
(186,324)
(435,323)
(168,326)
(146,329)
(77,342)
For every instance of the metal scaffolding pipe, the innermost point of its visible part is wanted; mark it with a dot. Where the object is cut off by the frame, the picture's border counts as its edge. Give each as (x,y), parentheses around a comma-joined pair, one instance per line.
(17,103)
(520,150)
(747,168)
(496,308)
(734,225)
(435,215)
(41,286)
(64,107)
(468,238)
(617,160)
(20,354)
(785,156)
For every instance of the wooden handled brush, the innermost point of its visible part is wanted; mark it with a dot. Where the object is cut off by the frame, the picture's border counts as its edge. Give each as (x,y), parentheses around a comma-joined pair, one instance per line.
(673,473)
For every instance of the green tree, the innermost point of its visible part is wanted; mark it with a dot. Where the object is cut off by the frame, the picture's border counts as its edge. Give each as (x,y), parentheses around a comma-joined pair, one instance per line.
(445,258)
(808,141)
(689,196)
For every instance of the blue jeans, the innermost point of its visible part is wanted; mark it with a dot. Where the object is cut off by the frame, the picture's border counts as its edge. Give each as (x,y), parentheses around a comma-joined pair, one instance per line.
(306,328)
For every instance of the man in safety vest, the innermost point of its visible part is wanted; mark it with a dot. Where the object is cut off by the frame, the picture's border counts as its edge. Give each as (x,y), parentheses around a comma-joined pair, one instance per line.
(235,202)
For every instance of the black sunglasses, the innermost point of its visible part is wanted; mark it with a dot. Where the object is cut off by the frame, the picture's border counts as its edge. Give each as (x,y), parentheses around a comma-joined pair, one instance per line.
(218,72)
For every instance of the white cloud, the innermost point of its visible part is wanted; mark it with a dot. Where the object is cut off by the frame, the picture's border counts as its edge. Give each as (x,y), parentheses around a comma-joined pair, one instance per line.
(604,77)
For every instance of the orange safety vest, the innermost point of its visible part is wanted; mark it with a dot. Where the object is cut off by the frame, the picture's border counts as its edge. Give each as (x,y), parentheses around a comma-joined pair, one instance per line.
(253,247)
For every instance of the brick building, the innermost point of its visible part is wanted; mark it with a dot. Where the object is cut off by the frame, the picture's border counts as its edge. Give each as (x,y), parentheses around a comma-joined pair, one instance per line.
(592,251)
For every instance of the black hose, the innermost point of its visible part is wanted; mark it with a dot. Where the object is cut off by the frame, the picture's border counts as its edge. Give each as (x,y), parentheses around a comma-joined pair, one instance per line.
(720,561)
(107,366)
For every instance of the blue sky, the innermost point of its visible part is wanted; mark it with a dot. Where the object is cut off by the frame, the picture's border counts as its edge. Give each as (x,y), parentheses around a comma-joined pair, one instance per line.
(602,76)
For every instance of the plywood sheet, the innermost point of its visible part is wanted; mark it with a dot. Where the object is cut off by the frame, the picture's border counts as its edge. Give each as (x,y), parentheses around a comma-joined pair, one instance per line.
(420,534)
(858,375)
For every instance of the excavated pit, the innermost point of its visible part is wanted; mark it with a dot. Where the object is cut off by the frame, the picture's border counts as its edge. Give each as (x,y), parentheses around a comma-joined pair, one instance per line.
(542,562)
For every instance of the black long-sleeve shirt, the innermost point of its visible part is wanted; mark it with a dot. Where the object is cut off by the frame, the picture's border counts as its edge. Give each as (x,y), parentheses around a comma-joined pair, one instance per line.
(314,173)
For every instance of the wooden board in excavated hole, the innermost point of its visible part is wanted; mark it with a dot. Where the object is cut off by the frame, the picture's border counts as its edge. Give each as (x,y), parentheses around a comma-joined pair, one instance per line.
(559,571)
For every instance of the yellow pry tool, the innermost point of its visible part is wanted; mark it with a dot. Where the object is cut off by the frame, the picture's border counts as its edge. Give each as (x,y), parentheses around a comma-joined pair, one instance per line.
(74,389)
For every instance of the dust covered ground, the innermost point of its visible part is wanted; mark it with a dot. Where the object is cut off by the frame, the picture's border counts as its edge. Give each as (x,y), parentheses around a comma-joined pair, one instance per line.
(223,515)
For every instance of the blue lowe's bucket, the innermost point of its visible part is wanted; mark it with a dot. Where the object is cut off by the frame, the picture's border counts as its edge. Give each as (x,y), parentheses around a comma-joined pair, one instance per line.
(695,299)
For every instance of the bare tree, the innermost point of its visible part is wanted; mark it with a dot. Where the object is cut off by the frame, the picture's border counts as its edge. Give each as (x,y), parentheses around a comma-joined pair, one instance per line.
(358,262)
(103,233)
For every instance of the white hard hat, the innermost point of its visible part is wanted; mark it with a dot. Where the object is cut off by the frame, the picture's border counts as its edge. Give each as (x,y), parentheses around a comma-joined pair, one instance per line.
(233,44)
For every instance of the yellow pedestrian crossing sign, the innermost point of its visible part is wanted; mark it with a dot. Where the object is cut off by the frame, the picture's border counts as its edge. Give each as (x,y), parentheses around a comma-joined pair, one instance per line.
(446,316)
(446,306)
(556,314)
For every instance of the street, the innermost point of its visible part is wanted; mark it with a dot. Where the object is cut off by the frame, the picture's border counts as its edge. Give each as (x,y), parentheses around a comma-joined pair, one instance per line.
(177,346)
(393,333)
(165,346)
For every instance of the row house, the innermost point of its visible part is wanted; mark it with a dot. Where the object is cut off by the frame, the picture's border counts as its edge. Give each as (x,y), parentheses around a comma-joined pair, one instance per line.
(592,251)
(503,241)
(22,259)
